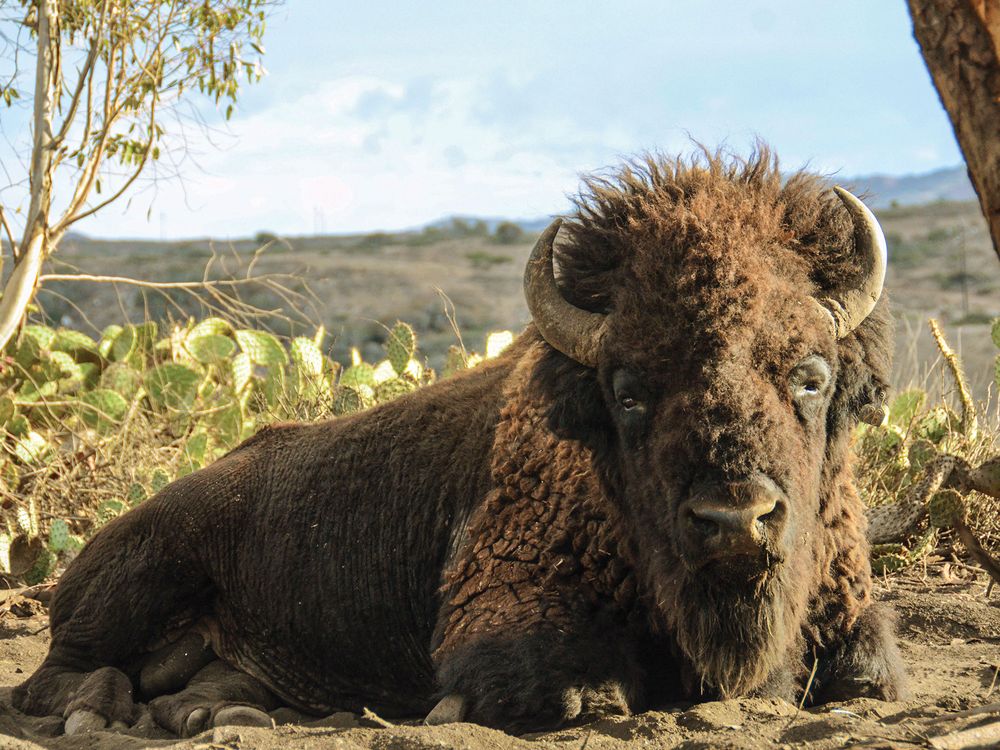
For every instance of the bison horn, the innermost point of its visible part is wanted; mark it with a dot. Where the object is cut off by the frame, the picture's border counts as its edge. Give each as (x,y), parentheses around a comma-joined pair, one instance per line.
(575,332)
(848,307)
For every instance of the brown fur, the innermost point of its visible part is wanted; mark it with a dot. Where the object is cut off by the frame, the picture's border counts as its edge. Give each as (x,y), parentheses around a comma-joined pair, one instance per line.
(508,534)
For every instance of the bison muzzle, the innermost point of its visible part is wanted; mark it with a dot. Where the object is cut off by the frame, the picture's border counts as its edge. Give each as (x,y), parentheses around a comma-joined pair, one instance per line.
(647,498)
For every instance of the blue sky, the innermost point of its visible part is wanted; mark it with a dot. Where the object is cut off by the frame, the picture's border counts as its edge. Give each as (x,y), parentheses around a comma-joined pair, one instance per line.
(383,115)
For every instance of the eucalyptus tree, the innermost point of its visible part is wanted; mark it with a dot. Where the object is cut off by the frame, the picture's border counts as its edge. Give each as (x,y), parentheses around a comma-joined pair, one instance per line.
(98,86)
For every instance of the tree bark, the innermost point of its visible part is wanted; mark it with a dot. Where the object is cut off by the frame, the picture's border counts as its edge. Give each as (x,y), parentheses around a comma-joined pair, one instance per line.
(20,287)
(960,42)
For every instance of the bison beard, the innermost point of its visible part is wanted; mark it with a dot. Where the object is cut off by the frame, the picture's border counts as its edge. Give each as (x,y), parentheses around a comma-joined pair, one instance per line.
(738,633)
(510,539)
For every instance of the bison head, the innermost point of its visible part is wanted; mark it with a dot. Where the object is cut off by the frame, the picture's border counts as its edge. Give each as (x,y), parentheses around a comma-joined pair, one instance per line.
(714,333)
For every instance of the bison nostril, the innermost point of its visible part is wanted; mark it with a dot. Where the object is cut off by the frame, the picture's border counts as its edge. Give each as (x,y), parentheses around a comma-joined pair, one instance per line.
(773,515)
(706,527)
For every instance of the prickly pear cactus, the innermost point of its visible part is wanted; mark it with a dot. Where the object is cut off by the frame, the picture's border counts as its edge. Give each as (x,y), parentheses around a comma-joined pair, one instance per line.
(400,346)
(944,508)
(347,401)
(390,389)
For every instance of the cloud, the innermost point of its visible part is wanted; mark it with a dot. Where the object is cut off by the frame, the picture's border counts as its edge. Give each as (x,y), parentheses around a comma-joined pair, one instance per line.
(370,153)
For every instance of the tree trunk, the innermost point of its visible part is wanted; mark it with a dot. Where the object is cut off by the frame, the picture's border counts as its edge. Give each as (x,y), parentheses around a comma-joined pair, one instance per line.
(960,41)
(20,287)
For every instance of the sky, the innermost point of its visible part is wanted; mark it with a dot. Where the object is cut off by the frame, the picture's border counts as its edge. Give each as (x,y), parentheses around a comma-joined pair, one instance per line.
(390,114)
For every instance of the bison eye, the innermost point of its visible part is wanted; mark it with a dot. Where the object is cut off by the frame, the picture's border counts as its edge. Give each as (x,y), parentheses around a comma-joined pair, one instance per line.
(809,379)
(628,392)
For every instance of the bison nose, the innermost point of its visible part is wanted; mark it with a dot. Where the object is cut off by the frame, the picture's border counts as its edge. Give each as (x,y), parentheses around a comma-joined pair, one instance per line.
(738,520)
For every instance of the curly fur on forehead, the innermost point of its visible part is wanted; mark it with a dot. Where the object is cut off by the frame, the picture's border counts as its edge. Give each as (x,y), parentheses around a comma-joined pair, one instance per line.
(676,219)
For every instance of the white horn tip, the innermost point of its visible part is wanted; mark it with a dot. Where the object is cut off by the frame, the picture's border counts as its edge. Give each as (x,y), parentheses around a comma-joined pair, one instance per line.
(449,710)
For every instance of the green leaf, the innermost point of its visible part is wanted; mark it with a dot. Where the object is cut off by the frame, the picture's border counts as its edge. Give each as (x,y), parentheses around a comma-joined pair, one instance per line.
(307,357)
(937,424)
(109,510)
(194,453)
(33,391)
(27,352)
(400,346)
(103,409)
(124,344)
(262,348)
(172,386)
(32,448)
(123,379)
(6,410)
(58,535)
(210,348)
(347,401)
(242,370)
(108,336)
(73,342)
(358,375)
(159,480)
(211,326)
(41,335)
(995,333)
(227,426)
(18,425)
(273,386)
(68,368)
(136,494)
(44,564)
(134,341)
(905,407)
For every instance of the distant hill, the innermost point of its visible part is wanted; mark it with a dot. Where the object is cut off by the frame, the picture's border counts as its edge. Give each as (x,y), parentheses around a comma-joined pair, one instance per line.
(950,184)
(881,190)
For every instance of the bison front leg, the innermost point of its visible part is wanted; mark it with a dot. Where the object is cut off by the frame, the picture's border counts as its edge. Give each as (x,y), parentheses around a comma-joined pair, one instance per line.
(520,654)
(539,678)
(855,637)
(864,664)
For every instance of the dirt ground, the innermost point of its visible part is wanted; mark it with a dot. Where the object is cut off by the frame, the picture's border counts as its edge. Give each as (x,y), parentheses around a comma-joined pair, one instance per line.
(950,635)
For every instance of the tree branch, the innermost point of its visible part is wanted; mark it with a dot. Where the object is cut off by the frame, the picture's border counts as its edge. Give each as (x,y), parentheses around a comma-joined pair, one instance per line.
(20,287)
(10,236)
(85,79)
(205,284)
(69,219)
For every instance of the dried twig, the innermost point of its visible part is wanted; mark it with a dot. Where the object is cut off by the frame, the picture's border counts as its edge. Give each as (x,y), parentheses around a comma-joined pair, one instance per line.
(983,735)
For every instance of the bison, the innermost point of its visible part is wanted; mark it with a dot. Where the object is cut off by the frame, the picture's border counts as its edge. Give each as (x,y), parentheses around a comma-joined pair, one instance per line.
(647,498)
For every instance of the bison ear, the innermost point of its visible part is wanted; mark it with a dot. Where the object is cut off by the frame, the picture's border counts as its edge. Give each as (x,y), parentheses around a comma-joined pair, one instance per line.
(576,406)
(864,372)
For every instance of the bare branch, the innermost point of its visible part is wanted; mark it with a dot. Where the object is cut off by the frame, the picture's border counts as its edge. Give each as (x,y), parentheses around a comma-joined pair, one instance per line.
(86,74)
(69,218)
(10,235)
(207,284)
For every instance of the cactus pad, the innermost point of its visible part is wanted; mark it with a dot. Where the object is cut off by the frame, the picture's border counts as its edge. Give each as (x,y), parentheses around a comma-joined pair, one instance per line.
(945,507)
(400,347)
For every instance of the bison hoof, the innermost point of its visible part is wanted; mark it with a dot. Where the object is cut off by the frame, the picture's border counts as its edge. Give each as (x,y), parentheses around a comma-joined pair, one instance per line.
(450,709)
(197,722)
(82,721)
(241,716)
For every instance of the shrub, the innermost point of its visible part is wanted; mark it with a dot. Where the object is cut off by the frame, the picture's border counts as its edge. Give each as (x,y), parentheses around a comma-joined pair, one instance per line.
(508,233)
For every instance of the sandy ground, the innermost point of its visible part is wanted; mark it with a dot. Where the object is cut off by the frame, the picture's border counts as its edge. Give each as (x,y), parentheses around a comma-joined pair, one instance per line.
(950,634)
